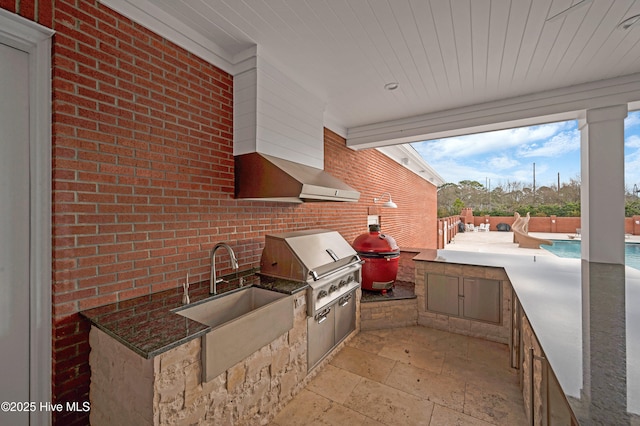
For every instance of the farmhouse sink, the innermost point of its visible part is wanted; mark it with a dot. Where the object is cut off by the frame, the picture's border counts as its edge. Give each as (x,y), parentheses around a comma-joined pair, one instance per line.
(242,322)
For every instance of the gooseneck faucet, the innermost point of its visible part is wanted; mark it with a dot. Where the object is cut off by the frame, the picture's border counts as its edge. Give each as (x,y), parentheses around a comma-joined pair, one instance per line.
(234,265)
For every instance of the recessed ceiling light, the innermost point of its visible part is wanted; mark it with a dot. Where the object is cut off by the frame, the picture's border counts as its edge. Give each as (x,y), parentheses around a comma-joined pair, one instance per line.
(629,22)
(391,86)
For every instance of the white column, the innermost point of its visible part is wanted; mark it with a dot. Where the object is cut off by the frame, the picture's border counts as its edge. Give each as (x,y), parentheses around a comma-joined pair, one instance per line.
(602,187)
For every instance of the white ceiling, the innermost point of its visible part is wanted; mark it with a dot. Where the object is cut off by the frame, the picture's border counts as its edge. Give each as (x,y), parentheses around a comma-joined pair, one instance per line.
(444,54)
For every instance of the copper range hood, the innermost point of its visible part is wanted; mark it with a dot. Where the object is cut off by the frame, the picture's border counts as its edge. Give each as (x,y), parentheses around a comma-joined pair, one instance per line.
(264,177)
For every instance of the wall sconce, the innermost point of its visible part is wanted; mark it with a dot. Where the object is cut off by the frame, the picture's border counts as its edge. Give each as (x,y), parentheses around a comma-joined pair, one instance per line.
(553,221)
(389,203)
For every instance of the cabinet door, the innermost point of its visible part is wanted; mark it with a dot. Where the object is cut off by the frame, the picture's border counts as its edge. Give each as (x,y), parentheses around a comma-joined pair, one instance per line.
(482,299)
(442,294)
(320,335)
(345,316)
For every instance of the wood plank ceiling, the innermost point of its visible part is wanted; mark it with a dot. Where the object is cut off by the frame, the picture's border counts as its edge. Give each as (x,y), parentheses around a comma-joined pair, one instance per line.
(443,53)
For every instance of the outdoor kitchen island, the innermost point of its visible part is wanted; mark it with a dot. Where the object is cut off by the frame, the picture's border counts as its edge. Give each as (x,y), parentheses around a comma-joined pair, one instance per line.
(146,361)
(577,350)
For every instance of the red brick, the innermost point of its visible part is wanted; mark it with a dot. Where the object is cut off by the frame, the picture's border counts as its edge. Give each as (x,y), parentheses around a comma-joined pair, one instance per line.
(115,229)
(95,239)
(74,295)
(71,10)
(155,186)
(72,274)
(59,73)
(97,301)
(98,11)
(117,287)
(97,281)
(115,248)
(45,13)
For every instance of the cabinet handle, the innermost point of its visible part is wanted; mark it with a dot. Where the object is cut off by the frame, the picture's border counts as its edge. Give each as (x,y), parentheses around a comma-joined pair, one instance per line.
(322,316)
(344,301)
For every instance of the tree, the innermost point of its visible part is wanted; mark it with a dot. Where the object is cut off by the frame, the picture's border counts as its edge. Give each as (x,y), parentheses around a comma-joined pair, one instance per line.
(457,207)
(510,197)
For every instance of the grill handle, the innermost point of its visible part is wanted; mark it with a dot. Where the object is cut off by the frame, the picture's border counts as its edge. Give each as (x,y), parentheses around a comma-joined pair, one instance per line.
(344,301)
(322,316)
(316,277)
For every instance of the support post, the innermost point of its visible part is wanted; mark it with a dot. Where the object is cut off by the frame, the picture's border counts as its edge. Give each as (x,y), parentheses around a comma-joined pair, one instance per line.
(602,187)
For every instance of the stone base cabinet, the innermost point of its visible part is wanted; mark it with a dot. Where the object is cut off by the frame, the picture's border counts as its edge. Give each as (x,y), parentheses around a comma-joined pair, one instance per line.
(544,401)
(464,299)
(127,389)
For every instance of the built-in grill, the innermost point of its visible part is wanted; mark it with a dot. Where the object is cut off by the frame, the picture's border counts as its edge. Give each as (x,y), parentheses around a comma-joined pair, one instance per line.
(332,269)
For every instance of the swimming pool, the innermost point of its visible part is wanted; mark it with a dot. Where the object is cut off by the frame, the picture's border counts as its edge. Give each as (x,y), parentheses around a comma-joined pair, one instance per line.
(568,248)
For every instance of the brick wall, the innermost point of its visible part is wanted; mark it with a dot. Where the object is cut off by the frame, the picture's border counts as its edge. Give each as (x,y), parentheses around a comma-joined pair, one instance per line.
(143,176)
(564,225)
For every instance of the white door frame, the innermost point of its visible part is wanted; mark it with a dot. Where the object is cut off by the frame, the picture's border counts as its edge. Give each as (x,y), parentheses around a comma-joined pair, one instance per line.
(35,40)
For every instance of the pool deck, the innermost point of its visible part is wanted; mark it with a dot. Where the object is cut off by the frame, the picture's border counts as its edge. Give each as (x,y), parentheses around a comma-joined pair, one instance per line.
(502,242)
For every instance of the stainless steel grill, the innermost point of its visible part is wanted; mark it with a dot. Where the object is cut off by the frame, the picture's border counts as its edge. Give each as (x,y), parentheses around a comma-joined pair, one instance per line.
(332,268)
(319,257)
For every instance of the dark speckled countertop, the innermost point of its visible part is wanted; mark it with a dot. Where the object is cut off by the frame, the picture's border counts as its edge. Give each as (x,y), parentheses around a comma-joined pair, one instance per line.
(147,324)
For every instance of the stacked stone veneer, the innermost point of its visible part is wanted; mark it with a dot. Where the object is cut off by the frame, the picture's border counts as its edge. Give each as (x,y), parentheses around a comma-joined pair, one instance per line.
(388,314)
(497,333)
(168,389)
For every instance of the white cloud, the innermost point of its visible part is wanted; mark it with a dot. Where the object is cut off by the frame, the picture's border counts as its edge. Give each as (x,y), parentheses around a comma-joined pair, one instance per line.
(559,144)
(632,169)
(632,141)
(489,142)
(455,172)
(632,120)
(507,155)
(525,174)
(503,162)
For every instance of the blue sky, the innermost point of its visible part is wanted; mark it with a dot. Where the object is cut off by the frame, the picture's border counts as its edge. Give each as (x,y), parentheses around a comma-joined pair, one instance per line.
(508,155)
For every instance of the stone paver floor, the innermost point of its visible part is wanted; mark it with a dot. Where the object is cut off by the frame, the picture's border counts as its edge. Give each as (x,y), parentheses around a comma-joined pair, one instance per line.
(411,376)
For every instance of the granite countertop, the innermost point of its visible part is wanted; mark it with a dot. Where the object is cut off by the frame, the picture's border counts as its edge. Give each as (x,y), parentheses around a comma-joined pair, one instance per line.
(592,343)
(147,324)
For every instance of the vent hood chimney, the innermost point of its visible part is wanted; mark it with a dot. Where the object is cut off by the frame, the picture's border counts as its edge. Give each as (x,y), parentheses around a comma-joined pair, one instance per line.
(278,140)
(260,176)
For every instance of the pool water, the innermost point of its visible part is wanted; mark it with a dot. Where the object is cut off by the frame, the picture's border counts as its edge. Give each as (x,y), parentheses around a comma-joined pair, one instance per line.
(567,248)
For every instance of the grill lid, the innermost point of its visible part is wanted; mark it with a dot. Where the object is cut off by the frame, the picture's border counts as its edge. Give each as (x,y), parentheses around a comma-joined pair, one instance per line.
(302,255)
(375,243)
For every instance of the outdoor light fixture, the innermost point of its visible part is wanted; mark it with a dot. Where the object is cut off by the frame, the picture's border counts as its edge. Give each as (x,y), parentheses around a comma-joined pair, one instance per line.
(389,203)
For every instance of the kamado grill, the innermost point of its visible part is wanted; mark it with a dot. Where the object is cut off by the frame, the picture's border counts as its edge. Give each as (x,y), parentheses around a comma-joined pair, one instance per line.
(381,255)
(331,267)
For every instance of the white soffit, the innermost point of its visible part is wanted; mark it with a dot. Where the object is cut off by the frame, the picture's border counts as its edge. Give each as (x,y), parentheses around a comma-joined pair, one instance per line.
(408,157)
(449,57)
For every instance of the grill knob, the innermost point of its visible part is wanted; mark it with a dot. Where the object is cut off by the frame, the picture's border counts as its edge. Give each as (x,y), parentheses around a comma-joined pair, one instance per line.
(342,283)
(333,288)
(321,294)
(350,278)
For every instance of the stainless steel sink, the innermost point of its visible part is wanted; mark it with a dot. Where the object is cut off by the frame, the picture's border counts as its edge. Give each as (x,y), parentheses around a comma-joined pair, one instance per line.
(242,322)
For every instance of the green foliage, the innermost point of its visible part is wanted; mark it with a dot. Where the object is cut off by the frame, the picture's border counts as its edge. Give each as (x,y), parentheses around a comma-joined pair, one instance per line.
(458,205)
(632,208)
(505,199)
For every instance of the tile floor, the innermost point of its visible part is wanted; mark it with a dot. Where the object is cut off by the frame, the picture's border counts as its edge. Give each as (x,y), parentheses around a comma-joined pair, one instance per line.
(411,376)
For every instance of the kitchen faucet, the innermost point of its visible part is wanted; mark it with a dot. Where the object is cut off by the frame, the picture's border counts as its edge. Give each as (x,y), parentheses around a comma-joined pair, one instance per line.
(234,265)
